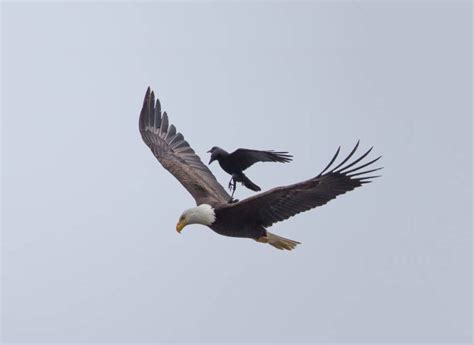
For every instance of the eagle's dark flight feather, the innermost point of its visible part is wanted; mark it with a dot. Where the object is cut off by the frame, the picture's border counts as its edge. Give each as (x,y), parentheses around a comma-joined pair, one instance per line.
(176,155)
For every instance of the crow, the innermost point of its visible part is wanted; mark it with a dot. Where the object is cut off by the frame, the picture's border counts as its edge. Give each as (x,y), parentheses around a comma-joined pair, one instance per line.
(236,162)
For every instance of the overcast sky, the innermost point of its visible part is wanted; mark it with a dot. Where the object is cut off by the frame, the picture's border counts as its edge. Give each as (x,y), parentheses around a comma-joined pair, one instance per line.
(89,246)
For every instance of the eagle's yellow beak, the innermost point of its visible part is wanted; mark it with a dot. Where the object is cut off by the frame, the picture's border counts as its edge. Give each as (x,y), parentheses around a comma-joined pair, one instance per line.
(181,224)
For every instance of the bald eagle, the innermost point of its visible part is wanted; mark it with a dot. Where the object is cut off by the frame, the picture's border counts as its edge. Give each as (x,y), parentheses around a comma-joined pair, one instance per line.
(250,217)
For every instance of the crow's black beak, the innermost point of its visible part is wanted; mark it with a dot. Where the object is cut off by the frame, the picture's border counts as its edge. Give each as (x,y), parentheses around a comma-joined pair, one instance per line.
(211,160)
(209,151)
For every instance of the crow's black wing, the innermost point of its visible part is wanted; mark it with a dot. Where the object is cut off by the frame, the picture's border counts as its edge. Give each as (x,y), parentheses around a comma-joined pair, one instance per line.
(241,159)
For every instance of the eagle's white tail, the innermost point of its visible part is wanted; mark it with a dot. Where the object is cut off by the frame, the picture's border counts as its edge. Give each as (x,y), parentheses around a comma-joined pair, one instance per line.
(279,242)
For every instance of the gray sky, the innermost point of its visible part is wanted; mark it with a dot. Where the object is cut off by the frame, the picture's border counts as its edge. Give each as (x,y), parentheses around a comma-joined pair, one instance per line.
(89,247)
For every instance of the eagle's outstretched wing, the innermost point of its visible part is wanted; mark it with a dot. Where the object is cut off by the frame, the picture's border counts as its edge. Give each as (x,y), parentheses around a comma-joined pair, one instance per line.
(175,154)
(241,159)
(282,203)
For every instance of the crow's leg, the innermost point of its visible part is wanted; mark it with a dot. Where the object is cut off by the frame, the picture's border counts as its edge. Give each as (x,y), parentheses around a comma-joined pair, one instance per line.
(231,184)
(234,186)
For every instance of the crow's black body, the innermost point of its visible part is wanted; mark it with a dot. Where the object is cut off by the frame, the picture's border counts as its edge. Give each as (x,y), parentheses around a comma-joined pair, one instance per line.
(236,162)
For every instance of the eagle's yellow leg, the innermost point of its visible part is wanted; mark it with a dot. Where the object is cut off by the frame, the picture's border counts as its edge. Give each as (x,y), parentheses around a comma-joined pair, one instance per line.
(278,242)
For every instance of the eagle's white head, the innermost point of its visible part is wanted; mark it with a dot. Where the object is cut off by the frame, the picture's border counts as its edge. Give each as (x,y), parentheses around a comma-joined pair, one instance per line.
(203,214)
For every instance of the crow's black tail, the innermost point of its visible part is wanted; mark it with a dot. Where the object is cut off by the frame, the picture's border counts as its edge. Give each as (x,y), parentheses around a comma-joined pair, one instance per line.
(249,184)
